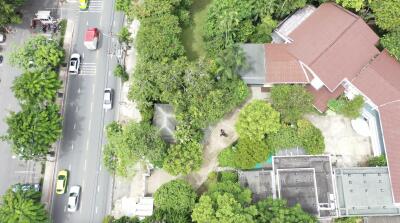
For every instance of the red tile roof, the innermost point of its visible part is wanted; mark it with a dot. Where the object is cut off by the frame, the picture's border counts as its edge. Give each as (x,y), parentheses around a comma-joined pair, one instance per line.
(323,95)
(334,43)
(380,82)
(281,66)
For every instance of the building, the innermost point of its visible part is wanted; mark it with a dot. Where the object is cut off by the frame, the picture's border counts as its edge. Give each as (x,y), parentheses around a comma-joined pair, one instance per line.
(333,52)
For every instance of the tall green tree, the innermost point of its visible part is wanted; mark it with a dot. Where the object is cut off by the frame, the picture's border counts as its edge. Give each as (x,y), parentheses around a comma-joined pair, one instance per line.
(311,137)
(226,202)
(387,13)
(184,158)
(38,53)
(131,143)
(391,41)
(36,87)
(172,199)
(8,12)
(33,130)
(22,207)
(292,101)
(250,152)
(256,120)
(276,210)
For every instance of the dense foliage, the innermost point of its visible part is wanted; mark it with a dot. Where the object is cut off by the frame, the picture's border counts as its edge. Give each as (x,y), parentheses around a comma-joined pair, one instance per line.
(349,108)
(37,87)
(184,158)
(33,130)
(387,13)
(292,101)
(8,12)
(352,4)
(175,198)
(256,120)
(119,71)
(285,138)
(310,137)
(377,161)
(277,210)
(22,207)
(38,53)
(391,41)
(349,220)
(128,144)
(123,219)
(224,202)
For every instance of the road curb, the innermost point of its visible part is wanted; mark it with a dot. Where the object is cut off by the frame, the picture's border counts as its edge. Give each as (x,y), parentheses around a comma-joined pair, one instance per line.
(50,169)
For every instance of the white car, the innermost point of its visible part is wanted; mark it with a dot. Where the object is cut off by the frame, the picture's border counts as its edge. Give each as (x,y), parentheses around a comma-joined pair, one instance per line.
(74,63)
(73,198)
(108,97)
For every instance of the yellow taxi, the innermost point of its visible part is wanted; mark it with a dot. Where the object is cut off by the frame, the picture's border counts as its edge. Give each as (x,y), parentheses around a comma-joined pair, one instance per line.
(83,4)
(61,184)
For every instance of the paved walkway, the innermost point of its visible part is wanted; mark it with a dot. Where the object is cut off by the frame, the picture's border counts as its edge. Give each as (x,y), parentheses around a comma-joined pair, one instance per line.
(214,144)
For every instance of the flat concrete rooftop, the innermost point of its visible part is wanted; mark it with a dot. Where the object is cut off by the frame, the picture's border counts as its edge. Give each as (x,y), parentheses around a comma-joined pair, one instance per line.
(364,191)
(260,182)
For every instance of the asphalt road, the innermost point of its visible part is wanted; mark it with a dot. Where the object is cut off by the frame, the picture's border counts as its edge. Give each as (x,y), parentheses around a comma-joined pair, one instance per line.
(84,118)
(12,170)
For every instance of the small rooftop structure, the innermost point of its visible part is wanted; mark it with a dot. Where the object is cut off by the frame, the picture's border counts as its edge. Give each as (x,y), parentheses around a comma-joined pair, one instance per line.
(164,120)
(364,191)
(255,73)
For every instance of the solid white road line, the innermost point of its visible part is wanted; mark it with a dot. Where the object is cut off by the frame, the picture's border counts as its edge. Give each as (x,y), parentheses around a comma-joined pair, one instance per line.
(93,88)
(85,165)
(72,147)
(98,188)
(96,210)
(100,167)
(90,122)
(87,145)
(91,107)
(76,109)
(79,90)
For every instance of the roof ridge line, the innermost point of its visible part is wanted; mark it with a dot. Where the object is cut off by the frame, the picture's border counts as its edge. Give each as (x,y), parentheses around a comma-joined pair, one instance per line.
(333,43)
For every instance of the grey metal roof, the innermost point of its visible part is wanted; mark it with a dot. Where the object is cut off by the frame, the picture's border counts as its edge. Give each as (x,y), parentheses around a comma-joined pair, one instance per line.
(255,74)
(364,191)
(164,120)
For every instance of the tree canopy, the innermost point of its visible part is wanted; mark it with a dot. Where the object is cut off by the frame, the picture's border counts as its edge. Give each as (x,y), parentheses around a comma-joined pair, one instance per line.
(128,144)
(276,210)
(352,4)
(387,13)
(311,137)
(292,101)
(184,158)
(175,198)
(33,130)
(23,207)
(8,12)
(257,119)
(36,87)
(38,53)
(391,41)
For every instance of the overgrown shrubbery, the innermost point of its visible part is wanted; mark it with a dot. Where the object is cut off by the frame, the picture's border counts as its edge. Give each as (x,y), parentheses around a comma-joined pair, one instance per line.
(120,72)
(349,108)
(377,161)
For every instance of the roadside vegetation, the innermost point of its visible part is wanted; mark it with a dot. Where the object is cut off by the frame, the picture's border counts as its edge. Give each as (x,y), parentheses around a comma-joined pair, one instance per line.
(22,206)
(34,129)
(9,12)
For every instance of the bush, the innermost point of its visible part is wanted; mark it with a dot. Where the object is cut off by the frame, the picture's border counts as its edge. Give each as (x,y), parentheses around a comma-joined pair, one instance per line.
(175,196)
(249,152)
(310,137)
(377,161)
(348,108)
(120,72)
(124,36)
(292,101)
(229,176)
(285,138)
(348,220)
(226,158)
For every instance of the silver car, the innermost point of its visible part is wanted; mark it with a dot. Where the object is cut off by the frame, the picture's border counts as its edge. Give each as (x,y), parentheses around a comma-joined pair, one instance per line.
(73,198)
(108,98)
(74,63)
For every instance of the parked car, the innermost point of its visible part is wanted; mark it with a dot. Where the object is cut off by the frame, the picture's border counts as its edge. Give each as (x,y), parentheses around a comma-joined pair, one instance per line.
(25,187)
(83,4)
(1,59)
(108,99)
(73,199)
(62,179)
(74,63)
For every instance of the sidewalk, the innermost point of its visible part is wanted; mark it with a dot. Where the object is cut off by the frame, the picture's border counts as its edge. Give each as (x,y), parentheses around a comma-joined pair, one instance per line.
(48,183)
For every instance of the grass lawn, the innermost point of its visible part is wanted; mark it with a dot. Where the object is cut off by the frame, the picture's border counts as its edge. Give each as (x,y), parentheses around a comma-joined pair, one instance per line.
(192,35)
